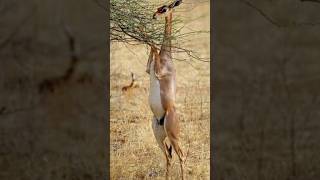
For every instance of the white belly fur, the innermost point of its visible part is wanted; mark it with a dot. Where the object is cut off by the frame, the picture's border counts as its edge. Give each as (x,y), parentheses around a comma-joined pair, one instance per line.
(154,94)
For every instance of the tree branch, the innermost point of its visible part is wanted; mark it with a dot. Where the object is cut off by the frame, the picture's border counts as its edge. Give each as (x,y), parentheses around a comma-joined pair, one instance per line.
(131,22)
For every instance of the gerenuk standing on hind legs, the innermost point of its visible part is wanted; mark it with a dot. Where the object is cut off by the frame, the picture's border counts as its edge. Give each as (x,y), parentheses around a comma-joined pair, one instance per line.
(165,123)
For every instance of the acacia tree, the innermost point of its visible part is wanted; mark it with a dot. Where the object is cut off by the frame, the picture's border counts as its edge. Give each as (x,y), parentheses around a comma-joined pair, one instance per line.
(131,22)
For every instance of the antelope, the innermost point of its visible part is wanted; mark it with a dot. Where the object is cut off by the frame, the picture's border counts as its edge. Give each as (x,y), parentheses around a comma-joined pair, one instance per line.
(160,67)
(132,84)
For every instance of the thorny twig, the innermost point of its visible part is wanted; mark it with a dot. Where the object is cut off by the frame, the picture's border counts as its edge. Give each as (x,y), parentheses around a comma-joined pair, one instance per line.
(131,23)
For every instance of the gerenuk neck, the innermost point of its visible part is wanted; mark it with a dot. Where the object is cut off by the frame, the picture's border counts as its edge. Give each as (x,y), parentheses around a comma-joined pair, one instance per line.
(166,46)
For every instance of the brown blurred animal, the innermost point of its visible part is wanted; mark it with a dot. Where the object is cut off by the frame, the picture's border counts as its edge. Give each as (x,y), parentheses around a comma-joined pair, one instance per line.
(132,84)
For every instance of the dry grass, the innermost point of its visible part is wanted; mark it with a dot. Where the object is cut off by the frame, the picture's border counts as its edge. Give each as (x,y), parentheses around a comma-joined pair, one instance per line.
(133,149)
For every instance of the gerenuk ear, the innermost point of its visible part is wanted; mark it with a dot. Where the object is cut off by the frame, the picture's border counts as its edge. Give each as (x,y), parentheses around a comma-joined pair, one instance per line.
(175,3)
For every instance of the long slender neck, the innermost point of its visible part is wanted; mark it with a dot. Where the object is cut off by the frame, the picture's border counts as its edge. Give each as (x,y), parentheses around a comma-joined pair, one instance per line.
(166,45)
